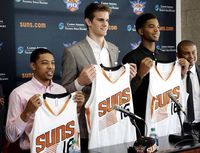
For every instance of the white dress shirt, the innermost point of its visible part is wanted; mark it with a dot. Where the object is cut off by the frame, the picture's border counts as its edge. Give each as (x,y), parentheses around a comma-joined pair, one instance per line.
(101,55)
(196,93)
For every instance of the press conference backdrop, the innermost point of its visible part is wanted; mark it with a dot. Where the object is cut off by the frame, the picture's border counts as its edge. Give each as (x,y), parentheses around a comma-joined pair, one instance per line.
(55,24)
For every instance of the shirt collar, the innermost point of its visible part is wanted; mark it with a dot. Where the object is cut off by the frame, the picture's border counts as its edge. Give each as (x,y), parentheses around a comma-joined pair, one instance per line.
(147,51)
(40,85)
(193,69)
(93,43)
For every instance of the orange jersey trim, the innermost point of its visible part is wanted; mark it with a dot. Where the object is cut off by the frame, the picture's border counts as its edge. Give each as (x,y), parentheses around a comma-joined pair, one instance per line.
(168,75)
(62,109)
(108,78)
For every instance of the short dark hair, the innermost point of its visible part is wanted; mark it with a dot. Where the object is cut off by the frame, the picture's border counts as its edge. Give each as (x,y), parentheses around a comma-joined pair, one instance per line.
(94,7)
(184,43)
(37,52)
(142,19)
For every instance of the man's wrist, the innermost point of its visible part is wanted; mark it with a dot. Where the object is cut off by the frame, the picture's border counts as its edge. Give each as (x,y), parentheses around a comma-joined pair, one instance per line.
(139,77)
(77,85)
(25,116)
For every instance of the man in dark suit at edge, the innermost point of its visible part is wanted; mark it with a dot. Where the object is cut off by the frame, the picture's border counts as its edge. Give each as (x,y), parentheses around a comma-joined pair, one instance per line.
(187,49)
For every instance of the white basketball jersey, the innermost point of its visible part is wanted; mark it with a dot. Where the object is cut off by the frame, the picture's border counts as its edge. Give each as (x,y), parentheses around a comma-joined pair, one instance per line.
(55,128)
(161,111)
(107,126)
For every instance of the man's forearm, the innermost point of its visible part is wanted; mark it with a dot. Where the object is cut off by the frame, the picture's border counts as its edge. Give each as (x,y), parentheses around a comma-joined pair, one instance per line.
(135,83)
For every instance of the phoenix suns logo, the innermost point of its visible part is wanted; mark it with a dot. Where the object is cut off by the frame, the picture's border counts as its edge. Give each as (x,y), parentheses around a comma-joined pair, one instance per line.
(160,108)
(120,98)
(138,6)
(72,5)
(54,136)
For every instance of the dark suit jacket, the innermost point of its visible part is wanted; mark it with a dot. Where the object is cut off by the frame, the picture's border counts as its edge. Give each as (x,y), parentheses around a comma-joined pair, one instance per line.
(74,60)
(198,72)
(186,126)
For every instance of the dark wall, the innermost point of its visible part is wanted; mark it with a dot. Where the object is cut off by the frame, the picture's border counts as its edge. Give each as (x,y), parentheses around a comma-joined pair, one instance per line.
(55,24)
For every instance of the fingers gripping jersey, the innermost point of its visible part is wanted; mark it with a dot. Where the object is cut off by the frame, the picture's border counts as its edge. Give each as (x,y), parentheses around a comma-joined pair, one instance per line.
(161,111)
(55,126)
(105,125)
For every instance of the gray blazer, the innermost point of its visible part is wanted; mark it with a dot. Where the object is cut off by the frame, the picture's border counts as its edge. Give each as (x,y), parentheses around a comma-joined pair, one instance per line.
(76,57)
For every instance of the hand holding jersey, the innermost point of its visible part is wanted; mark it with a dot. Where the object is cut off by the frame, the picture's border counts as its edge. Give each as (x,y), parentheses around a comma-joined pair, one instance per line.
(33,104)
(184,66)
(133,70)
(79,98)
(2,101)
(145,67)
(87,75)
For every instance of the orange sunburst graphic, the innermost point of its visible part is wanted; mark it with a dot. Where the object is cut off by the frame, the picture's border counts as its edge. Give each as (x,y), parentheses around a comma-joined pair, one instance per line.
(138,8)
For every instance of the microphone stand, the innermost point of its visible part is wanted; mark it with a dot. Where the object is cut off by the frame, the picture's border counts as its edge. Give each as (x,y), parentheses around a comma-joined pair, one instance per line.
(137,128)
(142,142)
(183,137)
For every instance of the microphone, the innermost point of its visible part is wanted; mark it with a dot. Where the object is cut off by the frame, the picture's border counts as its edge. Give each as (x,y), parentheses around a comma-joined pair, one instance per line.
(118,108)
(173,98)
(142,141)
(183,137)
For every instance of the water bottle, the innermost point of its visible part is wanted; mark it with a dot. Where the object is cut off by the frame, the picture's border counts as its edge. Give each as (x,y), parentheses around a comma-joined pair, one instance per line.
(154,136)
(74,148)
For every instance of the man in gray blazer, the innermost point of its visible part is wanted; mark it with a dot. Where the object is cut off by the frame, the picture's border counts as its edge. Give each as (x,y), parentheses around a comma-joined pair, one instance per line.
(77,69)
(77,64)
(188,50)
